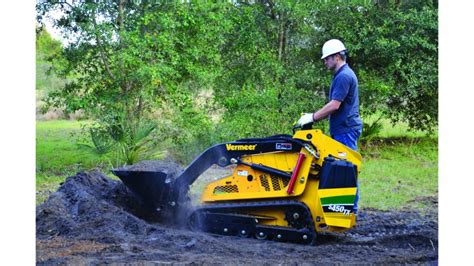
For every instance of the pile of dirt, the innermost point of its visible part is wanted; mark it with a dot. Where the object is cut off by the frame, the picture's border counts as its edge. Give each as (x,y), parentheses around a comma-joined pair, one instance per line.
(91,206)
(95,219)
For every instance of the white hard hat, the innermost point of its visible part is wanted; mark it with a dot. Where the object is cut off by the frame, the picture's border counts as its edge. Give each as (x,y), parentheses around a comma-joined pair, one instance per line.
(331,47)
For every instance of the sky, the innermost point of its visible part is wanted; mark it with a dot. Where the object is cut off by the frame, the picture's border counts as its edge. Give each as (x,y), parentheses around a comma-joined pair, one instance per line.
(55,33)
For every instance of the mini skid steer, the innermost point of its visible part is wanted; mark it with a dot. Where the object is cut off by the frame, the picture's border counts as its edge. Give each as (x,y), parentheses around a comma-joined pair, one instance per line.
(283,188)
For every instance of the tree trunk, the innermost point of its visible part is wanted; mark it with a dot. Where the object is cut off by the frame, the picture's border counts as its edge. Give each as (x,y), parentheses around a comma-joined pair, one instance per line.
(281,37)
(99,45)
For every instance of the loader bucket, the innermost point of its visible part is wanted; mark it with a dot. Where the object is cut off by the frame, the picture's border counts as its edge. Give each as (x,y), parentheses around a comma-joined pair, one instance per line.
(154,188)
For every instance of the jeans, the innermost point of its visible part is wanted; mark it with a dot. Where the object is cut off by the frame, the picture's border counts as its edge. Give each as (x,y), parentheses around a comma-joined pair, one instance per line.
(350,140)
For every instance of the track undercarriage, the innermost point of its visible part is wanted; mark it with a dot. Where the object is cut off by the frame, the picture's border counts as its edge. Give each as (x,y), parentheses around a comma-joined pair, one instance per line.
(251,219)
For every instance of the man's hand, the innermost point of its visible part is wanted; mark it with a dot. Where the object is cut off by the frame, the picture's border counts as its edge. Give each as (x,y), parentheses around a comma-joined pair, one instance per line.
(305,119)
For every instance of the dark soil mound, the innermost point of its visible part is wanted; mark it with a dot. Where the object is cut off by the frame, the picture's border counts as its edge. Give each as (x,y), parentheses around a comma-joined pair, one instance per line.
(90,205)
(95,219)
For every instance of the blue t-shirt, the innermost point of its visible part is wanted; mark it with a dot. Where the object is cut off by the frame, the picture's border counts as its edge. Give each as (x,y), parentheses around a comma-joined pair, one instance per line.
(344,88)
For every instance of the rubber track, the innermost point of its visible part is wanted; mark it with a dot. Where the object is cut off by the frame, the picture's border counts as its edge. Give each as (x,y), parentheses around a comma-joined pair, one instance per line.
(237,208)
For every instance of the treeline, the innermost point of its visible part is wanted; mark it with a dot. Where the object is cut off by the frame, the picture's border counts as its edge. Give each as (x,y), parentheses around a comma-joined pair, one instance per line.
(196,72)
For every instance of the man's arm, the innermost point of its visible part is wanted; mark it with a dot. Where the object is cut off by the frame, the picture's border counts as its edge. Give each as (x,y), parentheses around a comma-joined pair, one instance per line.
(328,109)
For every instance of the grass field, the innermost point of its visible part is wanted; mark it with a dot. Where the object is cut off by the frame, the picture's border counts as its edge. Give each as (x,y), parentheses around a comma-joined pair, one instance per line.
(399,173)
(58,156)
(399,170)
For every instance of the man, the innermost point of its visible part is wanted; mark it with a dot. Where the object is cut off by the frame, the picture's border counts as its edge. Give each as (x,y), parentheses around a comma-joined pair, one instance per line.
(342,109)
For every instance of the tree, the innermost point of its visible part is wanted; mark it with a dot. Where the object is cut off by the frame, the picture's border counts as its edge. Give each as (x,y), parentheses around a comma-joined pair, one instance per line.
(393,47)
(258,62)
(48,58)
(266,72)
(128,58)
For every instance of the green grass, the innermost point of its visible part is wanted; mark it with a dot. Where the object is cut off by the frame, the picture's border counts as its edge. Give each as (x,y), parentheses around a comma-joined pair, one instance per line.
(57,151)
(58,156)
(399,168)
(398,171)
(398,130)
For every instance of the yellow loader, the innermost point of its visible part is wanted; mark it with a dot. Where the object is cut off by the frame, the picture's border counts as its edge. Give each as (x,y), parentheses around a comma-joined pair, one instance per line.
(282,188)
